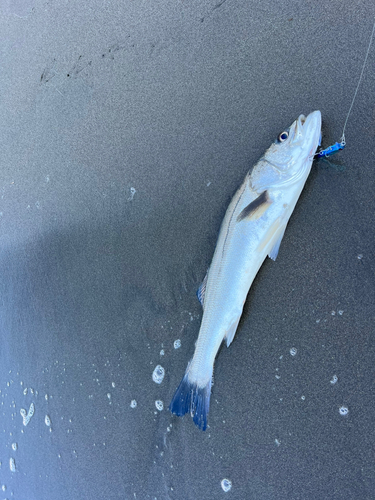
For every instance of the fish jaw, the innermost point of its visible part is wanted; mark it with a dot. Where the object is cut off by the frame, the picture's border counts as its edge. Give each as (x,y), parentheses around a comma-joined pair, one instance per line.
(312,132)
(303,141)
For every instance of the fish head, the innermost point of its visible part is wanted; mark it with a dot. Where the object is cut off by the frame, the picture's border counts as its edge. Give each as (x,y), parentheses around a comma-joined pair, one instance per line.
(290,157)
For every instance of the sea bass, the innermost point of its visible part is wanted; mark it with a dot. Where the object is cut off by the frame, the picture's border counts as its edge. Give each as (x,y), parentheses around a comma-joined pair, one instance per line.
(253,228)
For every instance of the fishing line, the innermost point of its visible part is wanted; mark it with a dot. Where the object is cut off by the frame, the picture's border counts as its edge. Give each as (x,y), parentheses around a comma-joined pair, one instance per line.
(340,145)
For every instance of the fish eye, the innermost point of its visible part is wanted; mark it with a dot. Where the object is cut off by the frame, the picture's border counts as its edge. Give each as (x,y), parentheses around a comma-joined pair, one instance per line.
(283,136)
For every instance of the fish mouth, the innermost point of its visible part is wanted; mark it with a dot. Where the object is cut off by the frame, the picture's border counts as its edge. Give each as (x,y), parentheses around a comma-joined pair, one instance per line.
(312,122)
(312,126)
(308,130)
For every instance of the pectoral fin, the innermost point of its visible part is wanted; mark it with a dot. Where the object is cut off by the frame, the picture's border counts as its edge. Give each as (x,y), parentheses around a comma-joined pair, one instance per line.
(256,208)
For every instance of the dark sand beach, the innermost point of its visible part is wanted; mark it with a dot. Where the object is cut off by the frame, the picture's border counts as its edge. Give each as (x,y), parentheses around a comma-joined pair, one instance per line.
(126,128)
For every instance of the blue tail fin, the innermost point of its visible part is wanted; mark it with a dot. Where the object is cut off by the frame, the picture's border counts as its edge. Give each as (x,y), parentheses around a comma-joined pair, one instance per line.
(192,398)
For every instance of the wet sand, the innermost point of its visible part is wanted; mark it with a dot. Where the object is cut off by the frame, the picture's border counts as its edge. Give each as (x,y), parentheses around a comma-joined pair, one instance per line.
(125,131)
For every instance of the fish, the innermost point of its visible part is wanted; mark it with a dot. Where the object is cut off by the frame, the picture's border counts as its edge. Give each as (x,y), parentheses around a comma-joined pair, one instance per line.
(252,229)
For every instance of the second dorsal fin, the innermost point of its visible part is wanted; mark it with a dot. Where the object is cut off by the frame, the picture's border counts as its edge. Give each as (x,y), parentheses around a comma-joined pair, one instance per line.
(202,289)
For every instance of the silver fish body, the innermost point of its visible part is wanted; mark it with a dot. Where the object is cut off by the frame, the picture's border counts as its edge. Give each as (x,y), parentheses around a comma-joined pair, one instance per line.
(253,228)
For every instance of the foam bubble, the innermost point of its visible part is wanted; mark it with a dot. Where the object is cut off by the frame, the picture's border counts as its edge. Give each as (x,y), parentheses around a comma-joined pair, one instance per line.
(158,374)
(226,484)
(132,193)
(26,417)
(334,379)
(31,410)
(159,405)
(343,410)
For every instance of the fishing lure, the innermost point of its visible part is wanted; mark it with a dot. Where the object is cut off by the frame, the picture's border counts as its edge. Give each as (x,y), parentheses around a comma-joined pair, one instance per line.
(331,150)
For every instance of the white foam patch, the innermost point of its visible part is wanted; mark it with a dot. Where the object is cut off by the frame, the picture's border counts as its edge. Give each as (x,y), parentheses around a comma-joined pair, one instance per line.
(226,484)
(27,416)
(158,374)
(334,379)
(159,405)
(343,410)
(31,410)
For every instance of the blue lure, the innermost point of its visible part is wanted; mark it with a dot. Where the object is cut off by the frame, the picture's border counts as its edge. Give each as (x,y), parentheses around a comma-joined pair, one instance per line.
(324,153)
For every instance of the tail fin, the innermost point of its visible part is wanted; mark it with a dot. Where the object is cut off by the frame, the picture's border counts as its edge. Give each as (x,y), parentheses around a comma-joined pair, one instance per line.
(190,397)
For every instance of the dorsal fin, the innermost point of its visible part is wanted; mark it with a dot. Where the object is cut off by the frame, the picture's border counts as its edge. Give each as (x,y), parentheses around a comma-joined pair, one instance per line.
(202,289)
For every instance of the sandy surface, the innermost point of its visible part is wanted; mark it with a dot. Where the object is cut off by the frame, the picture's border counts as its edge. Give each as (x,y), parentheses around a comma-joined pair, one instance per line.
(125,129)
